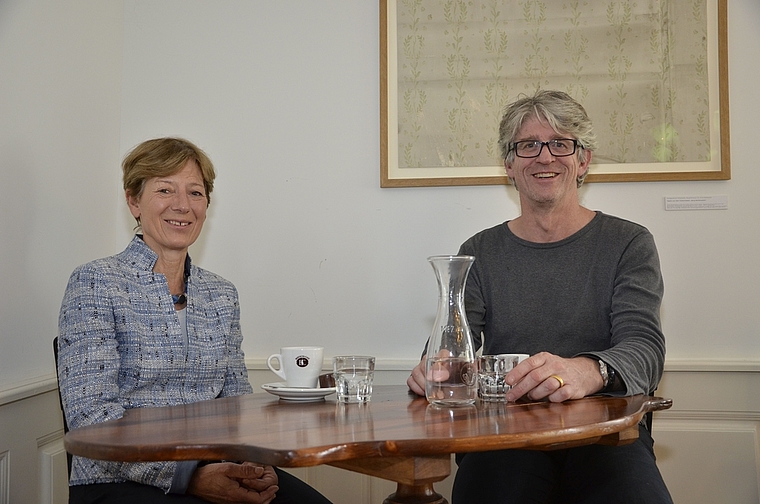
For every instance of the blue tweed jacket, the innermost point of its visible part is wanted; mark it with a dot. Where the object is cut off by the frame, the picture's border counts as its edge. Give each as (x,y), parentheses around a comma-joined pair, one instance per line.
(121,346)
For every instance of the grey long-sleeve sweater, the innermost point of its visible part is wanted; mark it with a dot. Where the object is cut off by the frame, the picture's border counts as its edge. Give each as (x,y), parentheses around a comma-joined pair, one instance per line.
(595,293)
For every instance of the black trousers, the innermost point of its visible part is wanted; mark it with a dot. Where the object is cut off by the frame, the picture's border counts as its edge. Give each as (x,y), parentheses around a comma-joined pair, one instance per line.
(593,474)
(292,491)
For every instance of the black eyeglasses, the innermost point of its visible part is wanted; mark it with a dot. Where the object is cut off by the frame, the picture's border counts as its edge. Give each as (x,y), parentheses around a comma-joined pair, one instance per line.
(559,147)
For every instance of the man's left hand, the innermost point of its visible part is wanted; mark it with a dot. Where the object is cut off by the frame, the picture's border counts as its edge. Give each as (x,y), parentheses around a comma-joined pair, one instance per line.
(548,376)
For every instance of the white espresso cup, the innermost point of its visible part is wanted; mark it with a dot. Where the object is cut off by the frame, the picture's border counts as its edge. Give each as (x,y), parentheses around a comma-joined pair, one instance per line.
(298,366)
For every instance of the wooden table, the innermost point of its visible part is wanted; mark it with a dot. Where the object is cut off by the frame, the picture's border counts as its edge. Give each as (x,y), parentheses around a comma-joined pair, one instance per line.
(397,436)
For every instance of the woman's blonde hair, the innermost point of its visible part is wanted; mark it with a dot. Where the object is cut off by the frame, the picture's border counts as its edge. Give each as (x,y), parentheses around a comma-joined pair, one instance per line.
(161,157)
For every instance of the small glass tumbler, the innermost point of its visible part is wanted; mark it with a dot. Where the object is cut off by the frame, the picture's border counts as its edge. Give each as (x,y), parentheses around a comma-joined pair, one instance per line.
(353,377)
(492,373)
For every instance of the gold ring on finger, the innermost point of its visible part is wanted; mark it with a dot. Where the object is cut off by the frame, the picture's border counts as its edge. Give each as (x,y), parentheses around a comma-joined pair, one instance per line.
(559,379)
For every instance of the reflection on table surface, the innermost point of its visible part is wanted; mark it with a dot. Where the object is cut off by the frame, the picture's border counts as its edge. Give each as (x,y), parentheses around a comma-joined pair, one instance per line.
(260,427)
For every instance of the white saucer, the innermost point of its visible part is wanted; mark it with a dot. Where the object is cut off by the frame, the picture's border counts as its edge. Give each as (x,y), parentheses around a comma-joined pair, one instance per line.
(297,393)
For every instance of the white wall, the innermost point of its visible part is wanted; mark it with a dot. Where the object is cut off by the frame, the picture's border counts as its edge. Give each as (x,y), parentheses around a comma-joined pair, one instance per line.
(284,98)
(60,84)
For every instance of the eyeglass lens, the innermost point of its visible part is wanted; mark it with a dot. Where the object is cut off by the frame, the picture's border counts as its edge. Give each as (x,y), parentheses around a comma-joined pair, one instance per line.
(558,147)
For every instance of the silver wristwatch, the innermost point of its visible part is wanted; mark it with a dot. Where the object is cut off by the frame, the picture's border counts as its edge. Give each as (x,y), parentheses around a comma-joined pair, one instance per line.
(604,373)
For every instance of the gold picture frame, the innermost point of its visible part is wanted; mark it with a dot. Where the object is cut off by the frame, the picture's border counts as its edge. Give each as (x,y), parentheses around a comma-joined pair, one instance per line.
(425,28)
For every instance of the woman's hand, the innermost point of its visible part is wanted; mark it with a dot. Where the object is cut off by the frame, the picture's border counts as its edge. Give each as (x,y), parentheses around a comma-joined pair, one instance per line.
(229,482)
(546,375)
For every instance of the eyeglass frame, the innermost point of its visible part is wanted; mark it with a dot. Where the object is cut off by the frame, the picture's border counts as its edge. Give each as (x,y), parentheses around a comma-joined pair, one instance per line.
(576,144)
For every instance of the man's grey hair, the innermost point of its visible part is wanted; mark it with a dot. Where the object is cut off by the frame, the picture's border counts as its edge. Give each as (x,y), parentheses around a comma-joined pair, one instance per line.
(565,116)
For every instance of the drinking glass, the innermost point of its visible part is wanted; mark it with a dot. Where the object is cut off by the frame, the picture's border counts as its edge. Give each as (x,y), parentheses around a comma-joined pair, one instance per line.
(492,373)
(353,377)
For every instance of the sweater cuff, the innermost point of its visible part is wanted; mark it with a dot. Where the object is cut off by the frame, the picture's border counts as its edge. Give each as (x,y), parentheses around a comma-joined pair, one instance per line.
(182,475)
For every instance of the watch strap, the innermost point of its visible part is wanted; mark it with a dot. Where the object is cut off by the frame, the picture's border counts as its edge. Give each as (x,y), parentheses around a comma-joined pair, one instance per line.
(604,371)
(609,377)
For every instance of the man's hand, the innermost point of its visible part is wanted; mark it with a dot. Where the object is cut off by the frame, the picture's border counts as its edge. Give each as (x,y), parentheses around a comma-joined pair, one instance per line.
(546,375)
(416,380)
(229,482)
(438,372)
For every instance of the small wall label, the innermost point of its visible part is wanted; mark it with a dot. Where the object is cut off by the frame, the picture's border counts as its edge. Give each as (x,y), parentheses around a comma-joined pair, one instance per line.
(719,202)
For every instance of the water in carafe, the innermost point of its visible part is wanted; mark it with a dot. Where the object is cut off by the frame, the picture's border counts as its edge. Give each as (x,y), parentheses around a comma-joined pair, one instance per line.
(451,377)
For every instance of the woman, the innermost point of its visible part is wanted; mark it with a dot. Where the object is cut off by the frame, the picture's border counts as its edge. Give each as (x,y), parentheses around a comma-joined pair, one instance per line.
(148,328)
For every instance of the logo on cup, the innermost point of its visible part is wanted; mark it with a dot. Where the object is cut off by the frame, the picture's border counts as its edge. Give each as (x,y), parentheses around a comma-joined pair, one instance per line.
(302,361)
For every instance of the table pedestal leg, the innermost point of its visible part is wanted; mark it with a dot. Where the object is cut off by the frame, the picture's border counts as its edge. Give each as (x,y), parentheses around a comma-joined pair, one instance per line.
(414,476)
(415,494)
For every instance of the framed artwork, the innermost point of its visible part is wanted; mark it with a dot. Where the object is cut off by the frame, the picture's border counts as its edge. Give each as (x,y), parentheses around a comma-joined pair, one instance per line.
(652,75)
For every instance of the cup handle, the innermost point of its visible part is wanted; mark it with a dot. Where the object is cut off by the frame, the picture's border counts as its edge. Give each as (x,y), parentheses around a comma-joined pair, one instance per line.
(278,372)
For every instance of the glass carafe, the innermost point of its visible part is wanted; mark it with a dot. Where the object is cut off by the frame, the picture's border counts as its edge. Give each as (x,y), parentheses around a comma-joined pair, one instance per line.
(450,367)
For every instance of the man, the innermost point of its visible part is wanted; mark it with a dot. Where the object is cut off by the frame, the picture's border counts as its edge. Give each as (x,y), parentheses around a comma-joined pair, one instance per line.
(580,292)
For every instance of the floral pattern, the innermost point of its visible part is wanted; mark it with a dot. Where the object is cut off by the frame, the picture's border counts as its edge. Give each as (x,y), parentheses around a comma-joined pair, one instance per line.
(640,72)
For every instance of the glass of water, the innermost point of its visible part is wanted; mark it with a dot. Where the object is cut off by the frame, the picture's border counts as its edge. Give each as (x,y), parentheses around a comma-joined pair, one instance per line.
(353,377)
(492,376)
